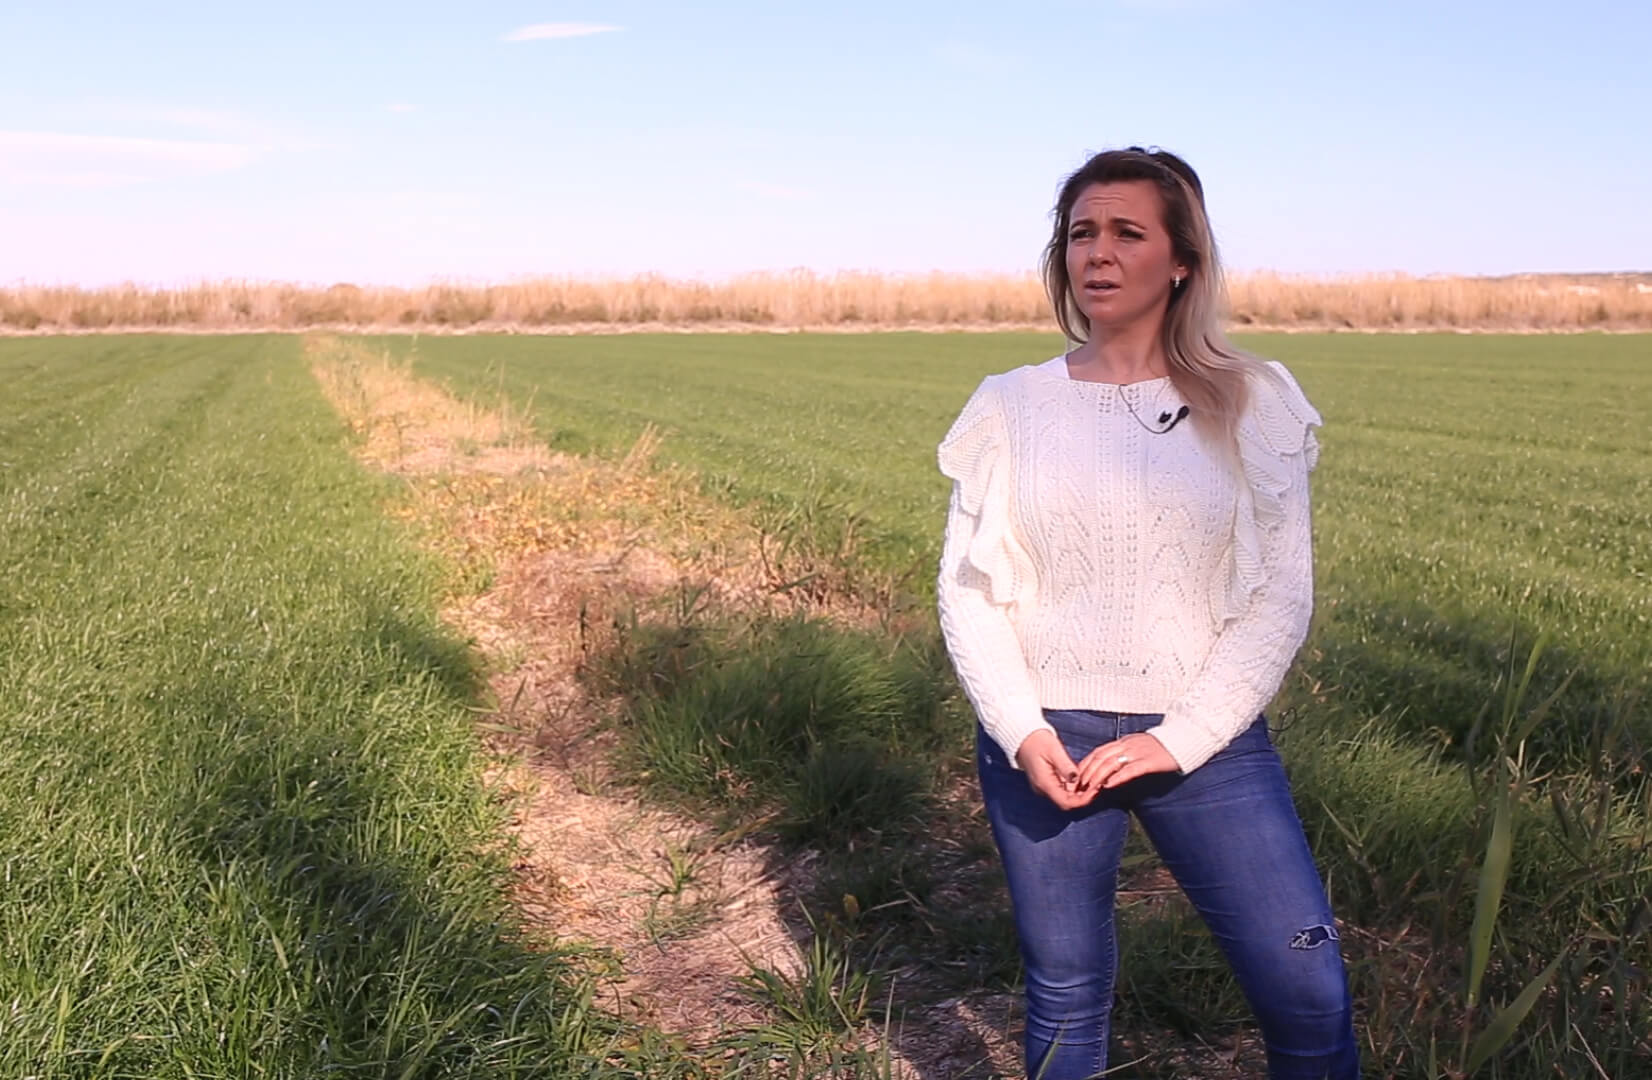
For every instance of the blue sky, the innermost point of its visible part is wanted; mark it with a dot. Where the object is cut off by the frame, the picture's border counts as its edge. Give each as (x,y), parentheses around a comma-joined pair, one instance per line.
(399,143)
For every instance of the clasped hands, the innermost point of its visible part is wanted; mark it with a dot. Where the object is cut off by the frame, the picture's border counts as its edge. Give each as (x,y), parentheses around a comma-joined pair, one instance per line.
(1052,773)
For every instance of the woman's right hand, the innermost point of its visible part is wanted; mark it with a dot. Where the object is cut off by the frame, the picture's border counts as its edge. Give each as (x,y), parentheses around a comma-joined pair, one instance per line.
(1051,771)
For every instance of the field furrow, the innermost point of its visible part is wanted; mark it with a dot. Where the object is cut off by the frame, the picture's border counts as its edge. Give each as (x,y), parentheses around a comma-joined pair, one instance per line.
(244,829)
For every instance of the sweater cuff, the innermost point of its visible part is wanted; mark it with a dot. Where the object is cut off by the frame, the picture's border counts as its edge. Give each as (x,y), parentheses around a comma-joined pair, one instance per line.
(1190,744)
(1011,731)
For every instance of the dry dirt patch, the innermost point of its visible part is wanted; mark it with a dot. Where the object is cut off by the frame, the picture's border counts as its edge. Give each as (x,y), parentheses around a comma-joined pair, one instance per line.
(551,549)
(565,544)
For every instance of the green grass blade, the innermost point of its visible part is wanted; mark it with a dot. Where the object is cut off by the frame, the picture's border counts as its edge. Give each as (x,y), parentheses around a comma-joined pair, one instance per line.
(1537,715)
(1517,691)
(1488,896)
(1503,1025)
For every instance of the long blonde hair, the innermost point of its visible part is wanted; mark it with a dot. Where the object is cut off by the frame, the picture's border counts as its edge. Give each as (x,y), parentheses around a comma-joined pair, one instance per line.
(1210,373)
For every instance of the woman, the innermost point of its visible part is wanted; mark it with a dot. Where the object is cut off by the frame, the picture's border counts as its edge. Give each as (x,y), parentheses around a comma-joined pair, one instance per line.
(1127,574)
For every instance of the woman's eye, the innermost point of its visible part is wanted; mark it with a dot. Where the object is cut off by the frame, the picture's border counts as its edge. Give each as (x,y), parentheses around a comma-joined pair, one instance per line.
(1079,234)
(1130,234)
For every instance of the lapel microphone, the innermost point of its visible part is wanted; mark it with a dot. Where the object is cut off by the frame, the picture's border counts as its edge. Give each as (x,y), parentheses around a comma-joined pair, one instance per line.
(1170,422)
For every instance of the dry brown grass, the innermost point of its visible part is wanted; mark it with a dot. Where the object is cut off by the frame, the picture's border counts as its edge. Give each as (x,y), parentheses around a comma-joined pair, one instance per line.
(412,428)
(1526,302)
(552,553)
(803,300)
(548,550)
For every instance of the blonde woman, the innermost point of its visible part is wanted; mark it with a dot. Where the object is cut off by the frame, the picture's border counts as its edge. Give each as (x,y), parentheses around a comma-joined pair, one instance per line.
(1127,575)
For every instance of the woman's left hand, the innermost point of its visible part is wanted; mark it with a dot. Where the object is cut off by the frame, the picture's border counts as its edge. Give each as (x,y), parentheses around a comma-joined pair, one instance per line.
(1123,760)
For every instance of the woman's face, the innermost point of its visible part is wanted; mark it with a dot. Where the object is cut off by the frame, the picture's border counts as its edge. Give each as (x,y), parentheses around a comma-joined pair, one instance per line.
(1119,256)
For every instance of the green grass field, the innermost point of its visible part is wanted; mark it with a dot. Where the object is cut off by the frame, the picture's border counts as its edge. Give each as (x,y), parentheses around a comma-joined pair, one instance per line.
(243,829)
(242,818)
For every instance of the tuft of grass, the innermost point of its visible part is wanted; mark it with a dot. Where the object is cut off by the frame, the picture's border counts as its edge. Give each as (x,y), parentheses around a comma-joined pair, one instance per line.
(842,790)
(821,730)
(679,905)
(814,1008)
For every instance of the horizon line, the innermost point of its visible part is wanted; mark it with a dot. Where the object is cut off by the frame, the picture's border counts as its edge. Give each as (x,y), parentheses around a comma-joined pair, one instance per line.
(801,272)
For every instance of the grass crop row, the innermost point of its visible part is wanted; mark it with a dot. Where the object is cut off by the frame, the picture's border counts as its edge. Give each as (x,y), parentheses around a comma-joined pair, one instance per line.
(243,829)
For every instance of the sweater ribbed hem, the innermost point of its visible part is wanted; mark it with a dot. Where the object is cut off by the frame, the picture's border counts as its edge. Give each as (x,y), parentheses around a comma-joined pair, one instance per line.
(1123,695)
(1190,744)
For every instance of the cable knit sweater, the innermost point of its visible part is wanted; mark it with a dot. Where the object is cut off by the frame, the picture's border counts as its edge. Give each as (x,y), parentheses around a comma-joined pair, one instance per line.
(1093,564)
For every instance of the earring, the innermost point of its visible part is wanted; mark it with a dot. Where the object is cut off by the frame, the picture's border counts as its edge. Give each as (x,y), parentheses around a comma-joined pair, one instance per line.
(1176,282)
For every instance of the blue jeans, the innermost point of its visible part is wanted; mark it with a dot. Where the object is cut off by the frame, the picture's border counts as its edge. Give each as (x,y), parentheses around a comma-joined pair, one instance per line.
(1229,833)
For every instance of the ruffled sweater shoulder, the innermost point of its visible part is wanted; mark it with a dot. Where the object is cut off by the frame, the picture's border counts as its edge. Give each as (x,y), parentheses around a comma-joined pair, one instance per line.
(1093,563)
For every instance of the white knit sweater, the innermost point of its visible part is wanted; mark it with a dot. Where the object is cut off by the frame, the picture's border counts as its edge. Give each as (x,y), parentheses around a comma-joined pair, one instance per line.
(1092,564)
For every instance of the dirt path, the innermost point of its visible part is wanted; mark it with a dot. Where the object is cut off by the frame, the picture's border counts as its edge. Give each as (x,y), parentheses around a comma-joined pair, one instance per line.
(561,547)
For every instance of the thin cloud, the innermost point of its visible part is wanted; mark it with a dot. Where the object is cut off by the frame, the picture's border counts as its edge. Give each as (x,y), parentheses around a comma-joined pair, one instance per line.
(224,123)
(554,30)
(182,122)
(60,159)
(154,119)
(401,107)
(218,120)
(80,181)
(203,155)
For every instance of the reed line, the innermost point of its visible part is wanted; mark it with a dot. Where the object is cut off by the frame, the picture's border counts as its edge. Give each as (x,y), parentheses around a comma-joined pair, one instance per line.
(804,299)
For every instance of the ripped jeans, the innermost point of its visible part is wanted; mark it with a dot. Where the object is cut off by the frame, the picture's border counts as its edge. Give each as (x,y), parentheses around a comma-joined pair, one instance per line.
(1229,833)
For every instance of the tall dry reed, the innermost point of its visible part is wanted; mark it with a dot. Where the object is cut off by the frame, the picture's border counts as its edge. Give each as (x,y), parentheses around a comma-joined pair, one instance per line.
(806,300)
